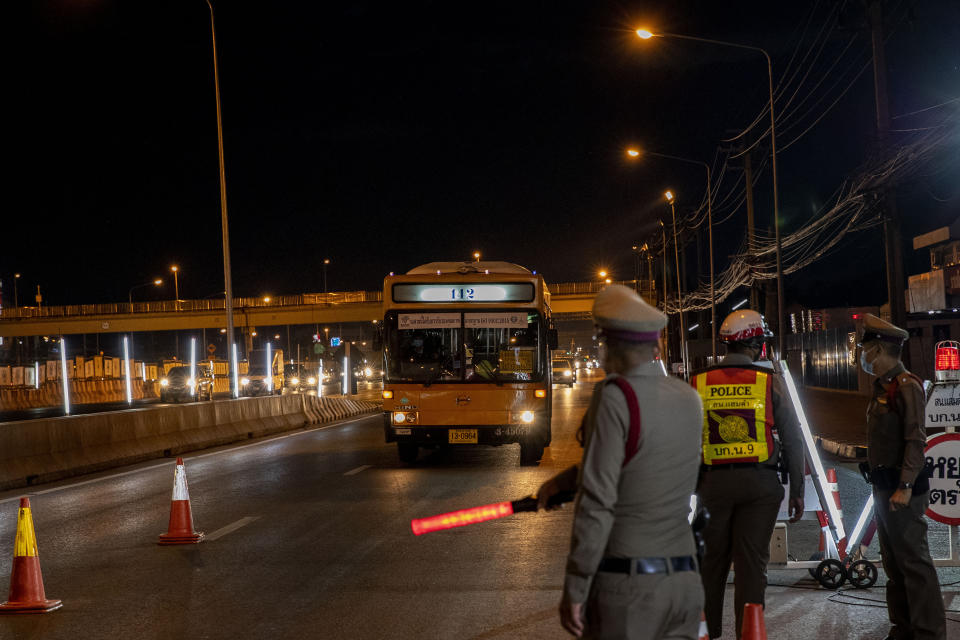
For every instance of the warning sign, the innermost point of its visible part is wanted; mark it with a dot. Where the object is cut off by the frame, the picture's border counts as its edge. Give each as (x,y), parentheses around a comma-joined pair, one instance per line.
(943,407)
(943,455)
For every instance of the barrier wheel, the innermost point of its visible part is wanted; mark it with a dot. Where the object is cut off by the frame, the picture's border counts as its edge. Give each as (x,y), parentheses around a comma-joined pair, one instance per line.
(816,557)
(862,574)
(830,574)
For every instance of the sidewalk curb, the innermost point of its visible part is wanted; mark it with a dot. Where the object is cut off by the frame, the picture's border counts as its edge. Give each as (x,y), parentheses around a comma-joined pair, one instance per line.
(841,450)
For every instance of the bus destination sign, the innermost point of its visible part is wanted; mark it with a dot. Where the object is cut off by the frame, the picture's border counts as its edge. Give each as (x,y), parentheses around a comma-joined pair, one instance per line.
(464,292)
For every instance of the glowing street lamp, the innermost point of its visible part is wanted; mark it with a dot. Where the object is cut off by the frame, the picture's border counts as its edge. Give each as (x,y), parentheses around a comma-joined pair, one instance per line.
(633,152)
(646,34)
(476,256)
(676,255)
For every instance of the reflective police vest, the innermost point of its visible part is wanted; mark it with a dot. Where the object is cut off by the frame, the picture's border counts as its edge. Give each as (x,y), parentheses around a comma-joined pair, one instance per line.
(737,414)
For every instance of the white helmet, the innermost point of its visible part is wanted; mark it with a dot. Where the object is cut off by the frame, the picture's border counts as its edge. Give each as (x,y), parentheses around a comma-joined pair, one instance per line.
(744,325)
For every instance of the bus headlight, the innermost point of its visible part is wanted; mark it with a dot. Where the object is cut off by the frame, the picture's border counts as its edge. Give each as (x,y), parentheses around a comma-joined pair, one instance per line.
(526,417)
(399,417)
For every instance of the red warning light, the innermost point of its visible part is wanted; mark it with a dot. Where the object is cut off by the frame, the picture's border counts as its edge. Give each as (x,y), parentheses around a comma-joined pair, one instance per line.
(857,316)
(461,518)
(948,359)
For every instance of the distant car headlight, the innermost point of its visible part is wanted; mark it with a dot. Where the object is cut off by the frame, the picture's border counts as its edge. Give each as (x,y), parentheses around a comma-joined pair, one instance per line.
(244,381)
(164,382)
(311,380)
(527,417)
(368,372)
(567,373)
(294,380)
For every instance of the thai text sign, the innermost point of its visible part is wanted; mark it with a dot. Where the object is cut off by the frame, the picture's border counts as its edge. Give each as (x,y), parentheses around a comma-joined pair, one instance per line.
(943,407)
(943,455)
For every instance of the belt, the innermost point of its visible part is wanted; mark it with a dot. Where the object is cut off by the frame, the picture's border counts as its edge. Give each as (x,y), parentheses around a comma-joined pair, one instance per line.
(737,465)
(648,565)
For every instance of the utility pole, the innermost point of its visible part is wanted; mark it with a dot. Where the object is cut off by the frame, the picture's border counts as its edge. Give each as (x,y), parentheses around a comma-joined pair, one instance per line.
(751,225)
(891,219)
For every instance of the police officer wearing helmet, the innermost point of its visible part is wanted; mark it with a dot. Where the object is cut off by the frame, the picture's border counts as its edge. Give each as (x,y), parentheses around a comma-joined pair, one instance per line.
(896,439)
(631,572)
(750,429)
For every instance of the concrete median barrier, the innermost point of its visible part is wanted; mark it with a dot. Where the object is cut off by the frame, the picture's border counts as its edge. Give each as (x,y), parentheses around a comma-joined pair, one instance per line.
(35,451)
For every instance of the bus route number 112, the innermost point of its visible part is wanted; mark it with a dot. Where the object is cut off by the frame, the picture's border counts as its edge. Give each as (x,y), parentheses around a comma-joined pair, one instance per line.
(462,294)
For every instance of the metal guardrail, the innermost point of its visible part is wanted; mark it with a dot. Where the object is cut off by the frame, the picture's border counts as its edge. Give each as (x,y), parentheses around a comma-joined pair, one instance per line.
(647,289)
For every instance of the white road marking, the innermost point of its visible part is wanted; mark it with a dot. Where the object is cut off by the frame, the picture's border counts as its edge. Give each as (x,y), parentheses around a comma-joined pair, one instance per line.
(185,457)
(357,470)
(230,528)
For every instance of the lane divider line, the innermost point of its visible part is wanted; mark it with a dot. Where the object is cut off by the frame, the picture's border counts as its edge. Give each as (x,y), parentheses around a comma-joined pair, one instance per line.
(187,457)
(230,528)
(357,470)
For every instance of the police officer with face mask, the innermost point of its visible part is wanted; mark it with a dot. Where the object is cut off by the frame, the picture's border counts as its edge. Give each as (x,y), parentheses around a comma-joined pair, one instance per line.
(896,438)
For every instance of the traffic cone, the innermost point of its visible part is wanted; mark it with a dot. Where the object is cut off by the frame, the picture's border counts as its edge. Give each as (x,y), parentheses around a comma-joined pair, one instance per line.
(26,581)
(180,530)
(703,634)
(754,627)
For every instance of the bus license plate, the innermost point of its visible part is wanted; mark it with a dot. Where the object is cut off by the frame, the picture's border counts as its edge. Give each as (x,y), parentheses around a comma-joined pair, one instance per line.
(462,436)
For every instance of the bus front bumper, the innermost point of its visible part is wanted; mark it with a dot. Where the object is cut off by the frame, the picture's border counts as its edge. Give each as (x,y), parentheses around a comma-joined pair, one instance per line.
(439,435)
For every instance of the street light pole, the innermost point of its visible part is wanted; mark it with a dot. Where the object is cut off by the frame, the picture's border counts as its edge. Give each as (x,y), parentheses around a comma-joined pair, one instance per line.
(645,34)
(713,302)
(225,230)
(176,285)
(16,302)
(663,233)
(137,286)
(326,261)
(676,256)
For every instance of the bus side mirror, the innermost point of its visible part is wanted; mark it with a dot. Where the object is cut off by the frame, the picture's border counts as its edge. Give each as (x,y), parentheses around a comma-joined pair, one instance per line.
(552,339)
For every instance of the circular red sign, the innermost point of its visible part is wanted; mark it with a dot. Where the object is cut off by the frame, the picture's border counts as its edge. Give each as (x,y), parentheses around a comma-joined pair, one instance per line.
(943,452)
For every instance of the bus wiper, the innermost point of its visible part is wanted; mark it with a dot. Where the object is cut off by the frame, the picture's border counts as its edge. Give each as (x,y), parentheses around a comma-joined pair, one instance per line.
(432,378)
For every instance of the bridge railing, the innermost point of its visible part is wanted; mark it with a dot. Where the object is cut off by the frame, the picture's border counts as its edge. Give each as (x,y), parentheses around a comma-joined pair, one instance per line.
(647,289)
(171,306)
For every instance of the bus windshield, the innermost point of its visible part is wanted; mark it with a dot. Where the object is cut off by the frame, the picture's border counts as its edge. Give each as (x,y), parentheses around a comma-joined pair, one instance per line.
(488,346)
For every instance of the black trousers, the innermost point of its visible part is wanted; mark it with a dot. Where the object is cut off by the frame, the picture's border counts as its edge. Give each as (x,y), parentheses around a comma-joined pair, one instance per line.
(743,505)
(914,602)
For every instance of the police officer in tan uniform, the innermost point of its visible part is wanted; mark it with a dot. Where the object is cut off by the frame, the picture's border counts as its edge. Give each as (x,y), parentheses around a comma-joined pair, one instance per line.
(631,572)
(896,438)
(749,430)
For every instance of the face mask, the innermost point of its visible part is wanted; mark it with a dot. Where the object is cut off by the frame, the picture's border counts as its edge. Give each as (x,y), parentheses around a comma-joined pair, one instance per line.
(865,363)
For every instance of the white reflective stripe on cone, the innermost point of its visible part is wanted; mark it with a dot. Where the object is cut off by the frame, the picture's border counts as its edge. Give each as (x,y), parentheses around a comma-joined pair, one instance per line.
(180,491)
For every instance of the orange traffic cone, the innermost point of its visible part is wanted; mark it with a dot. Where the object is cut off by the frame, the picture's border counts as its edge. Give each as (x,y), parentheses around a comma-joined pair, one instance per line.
(754,627)
(703,634)
(180,530)
(26,581)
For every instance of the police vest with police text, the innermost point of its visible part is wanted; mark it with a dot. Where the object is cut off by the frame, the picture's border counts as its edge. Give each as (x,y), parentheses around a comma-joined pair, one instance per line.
(737,414)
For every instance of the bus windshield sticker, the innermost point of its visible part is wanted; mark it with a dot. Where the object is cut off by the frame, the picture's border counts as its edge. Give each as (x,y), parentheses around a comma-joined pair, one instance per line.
(408,321)
(464,292)
(515,320)
(517,361)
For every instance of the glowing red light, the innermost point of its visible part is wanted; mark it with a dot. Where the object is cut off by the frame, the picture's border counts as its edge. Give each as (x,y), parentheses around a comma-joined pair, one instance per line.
(856,316)
(948,359)
(461,518)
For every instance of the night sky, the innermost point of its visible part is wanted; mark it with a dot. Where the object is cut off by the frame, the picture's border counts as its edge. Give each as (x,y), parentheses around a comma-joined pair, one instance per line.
(386,135)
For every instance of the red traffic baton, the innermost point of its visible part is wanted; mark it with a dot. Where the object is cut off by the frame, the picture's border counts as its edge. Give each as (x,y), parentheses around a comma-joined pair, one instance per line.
(463,517)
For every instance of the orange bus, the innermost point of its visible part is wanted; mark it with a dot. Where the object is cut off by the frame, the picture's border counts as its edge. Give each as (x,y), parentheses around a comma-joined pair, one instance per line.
(466,350)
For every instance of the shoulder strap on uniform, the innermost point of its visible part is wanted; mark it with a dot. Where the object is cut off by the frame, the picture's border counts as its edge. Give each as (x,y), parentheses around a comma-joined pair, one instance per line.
(895,385)
(633,407)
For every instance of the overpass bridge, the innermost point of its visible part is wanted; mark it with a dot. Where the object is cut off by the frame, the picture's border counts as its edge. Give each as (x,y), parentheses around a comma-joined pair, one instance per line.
(569,301)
